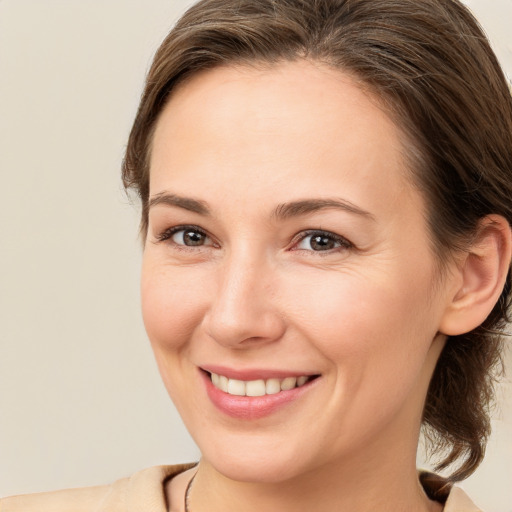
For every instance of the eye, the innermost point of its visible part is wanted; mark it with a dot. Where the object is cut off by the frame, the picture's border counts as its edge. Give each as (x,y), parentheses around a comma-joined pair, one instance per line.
(321,241)
(189,236)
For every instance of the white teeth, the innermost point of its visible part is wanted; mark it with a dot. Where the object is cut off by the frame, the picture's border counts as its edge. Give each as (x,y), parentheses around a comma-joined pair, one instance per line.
(288,383)
(301,381)
(256,387)
(236,387)
(223,383)
(273,386)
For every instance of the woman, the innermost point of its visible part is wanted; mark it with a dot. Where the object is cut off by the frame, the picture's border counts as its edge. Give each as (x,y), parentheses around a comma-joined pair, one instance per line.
(326,215)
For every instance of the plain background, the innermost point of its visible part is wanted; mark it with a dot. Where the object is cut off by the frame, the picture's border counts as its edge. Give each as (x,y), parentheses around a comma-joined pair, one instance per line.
(81,402)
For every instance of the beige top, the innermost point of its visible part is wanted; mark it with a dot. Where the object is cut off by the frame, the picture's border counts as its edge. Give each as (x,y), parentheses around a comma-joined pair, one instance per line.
(144,491)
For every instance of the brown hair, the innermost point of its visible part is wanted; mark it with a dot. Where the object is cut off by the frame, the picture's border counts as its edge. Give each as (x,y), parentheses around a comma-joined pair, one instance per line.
(431,66)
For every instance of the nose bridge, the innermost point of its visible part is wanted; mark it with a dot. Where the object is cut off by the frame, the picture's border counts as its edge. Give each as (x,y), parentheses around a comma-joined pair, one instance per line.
(243,308)
(238,278)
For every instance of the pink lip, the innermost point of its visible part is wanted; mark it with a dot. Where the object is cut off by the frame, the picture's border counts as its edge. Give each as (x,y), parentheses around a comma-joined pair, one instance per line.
(249,407)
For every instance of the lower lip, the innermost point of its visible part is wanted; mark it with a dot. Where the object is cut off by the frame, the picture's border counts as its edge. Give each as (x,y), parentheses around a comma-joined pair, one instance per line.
(252,407)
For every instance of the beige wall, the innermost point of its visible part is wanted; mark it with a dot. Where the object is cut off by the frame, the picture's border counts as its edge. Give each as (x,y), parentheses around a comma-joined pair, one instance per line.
(80,399)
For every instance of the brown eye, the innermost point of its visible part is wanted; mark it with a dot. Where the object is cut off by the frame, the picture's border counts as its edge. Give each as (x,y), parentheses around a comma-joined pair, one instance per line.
(189,237)
(319,241)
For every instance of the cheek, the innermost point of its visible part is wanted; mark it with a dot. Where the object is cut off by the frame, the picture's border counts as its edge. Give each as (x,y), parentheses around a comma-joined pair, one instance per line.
(171,309)
(172,305)
(365,321)
(376,338)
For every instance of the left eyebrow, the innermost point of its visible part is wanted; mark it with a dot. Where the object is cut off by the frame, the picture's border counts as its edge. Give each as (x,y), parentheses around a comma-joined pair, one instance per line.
(305,206)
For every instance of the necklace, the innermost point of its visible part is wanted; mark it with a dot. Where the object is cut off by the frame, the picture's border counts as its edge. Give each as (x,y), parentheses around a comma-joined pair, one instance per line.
(187,492)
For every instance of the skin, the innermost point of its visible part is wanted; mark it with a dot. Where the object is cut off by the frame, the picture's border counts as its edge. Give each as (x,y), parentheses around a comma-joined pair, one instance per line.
(365,315)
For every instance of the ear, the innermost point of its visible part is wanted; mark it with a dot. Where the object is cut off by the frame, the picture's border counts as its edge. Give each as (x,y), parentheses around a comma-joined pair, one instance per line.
(481,276)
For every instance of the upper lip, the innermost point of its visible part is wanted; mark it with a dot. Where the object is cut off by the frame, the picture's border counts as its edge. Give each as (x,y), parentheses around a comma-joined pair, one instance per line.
(254,373)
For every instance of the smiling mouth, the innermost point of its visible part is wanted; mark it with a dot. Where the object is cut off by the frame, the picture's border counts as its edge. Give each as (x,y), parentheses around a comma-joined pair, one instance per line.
(260,387)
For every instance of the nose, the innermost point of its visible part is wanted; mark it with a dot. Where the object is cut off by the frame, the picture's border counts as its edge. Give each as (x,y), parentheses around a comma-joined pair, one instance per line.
(244,311)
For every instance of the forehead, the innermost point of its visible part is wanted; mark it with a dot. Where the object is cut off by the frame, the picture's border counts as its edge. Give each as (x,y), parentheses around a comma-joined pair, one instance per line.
(292,126)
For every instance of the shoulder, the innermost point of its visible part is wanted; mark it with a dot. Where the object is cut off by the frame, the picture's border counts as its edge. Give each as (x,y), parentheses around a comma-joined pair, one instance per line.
(86,499)
(459,501)
(142,491)
(439,489)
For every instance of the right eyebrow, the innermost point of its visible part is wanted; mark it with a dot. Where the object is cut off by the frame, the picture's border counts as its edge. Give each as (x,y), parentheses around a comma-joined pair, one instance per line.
(187,203)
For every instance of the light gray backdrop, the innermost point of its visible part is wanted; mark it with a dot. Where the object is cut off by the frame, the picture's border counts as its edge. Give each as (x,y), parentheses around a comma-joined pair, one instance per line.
(80,399)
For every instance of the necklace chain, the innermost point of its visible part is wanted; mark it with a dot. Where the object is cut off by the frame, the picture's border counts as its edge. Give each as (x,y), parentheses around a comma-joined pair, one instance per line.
(187,493)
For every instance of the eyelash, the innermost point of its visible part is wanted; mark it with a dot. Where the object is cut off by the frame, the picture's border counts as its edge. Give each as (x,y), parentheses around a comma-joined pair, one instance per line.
(343,243)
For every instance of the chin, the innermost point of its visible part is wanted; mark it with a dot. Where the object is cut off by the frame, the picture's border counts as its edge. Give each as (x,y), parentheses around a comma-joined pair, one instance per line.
(245,469)
(255,460)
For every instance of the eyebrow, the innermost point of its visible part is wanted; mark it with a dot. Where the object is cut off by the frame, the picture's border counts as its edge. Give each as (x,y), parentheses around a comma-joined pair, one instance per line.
(303,207)
(282,211)
(187,203)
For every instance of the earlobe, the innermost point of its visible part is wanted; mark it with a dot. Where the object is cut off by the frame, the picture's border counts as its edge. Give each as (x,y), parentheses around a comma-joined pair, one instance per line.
(482,274)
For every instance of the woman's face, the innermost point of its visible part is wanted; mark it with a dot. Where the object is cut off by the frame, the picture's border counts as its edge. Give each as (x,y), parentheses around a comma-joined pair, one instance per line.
(286,244)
